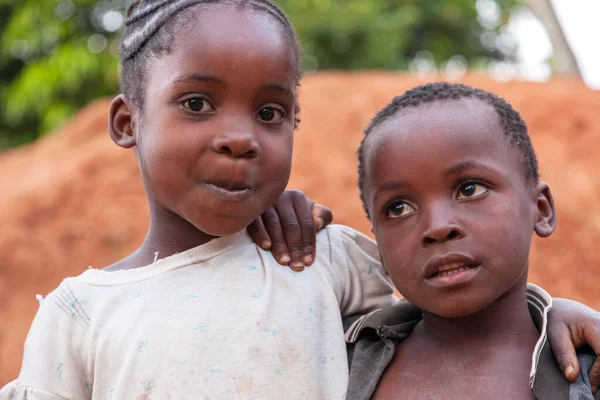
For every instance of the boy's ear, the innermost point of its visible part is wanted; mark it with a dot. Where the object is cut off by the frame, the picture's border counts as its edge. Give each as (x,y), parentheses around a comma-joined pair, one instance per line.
(121,123)
(545,221)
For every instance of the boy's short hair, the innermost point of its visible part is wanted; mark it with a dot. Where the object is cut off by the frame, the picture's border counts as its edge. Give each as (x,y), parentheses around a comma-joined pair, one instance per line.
(514,127)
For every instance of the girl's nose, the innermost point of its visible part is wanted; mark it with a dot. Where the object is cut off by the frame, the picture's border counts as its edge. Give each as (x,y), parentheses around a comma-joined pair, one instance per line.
(236,145)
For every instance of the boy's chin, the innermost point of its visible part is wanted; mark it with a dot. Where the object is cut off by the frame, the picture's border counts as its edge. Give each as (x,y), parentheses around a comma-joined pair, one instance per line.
(455,307)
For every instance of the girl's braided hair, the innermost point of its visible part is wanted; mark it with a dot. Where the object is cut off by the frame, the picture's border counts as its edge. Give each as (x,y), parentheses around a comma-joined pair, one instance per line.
(149,32)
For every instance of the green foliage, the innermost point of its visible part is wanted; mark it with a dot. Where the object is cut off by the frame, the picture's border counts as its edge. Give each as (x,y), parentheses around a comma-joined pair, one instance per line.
(57,55)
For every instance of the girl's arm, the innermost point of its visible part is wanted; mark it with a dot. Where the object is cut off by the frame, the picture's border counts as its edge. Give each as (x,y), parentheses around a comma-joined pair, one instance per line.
(54,358)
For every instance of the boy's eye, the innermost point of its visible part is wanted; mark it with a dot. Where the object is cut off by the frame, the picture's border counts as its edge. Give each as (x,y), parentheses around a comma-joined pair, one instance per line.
(270,114)
(198,104)
(398,209)
(470,190)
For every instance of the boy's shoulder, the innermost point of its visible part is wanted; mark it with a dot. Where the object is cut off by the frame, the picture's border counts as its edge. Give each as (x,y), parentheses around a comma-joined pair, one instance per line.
(369,352)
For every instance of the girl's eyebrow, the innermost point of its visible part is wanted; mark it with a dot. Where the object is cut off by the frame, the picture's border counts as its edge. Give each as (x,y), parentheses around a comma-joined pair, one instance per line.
(463,166)
(196,77)
(281,88)
(212,79)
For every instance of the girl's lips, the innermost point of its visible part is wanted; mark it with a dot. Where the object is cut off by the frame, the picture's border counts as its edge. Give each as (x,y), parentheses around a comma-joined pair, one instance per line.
(229,194)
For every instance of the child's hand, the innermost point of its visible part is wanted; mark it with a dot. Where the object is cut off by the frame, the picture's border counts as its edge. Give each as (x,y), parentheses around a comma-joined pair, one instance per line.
(289,229)
(572,325)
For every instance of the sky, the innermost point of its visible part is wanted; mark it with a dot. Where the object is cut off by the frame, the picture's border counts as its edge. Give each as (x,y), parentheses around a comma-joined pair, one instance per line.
(579,20)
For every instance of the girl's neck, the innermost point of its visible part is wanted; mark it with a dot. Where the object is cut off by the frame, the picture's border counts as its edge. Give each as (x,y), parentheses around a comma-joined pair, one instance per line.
(168,234)
(506,321)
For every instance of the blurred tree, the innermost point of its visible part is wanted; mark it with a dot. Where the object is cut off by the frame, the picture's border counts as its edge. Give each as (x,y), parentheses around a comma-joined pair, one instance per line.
(57,55)
(564,60)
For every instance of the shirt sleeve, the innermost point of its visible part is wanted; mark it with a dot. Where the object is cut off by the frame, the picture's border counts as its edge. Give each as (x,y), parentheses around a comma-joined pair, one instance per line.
(54,358)
(581,388)
(364,284)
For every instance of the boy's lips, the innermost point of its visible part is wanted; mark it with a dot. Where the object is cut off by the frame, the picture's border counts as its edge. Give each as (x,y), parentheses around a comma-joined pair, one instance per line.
(448,265)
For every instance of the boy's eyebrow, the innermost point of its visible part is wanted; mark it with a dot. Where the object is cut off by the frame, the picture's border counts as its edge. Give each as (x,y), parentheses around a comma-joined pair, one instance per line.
(461,167)
(389,187)
(196,77)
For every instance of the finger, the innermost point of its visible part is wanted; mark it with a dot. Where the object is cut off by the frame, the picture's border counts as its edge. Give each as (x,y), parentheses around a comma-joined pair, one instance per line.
(275,232)
(564,351)
(594,375)
(322,216)
(303,207)
(591,334)
(259,234)
(291,232)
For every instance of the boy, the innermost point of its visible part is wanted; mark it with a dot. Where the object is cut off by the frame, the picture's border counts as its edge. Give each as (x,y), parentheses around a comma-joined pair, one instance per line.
(450,183)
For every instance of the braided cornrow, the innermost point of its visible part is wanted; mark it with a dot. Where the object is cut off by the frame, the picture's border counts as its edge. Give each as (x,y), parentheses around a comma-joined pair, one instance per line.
(148,33)
(512,124)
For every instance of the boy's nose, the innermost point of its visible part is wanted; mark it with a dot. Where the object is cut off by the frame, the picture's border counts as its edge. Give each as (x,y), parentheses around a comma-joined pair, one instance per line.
(441,227)
(236,145)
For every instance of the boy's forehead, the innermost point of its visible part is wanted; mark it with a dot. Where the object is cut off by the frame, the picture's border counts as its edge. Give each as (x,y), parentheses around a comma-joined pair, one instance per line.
(456,119)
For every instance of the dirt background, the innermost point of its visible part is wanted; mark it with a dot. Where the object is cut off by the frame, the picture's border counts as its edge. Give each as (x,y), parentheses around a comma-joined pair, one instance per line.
(74,199)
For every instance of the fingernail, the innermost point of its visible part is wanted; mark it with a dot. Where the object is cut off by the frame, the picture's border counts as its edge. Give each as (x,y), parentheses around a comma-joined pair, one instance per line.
(320,223)
(266,245)
(296,269)
(569,371)
(297,265)
(308,259)
(285,258)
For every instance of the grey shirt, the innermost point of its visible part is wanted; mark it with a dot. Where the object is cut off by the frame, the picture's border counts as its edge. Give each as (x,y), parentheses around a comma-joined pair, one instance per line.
(372,340)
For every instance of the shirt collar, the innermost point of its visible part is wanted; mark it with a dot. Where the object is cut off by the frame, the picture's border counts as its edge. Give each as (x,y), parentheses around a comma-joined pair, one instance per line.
(401,318)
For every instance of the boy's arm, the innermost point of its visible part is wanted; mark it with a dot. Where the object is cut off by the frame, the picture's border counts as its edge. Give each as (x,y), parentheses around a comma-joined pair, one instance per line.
(289,229)
(293,221)
(572,325)
(53,365)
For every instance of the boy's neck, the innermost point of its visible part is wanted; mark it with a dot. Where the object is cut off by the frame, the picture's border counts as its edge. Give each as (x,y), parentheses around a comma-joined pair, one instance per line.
(506,321)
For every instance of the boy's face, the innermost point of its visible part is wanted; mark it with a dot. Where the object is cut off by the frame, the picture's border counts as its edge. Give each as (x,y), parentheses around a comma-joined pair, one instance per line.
(215,137)
(451,208)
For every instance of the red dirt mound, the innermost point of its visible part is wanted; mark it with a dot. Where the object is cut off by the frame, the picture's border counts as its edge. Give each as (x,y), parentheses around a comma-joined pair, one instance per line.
(74,199)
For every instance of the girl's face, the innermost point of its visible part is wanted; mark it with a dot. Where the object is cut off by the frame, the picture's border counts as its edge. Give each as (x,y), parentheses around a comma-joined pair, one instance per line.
(215,137)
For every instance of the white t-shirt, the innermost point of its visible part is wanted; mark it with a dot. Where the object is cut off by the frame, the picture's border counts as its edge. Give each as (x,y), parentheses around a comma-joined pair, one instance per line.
(219,321)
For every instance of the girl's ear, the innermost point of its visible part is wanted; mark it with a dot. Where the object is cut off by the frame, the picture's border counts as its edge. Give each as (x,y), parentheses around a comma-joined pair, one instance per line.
(545,221)
(121,123)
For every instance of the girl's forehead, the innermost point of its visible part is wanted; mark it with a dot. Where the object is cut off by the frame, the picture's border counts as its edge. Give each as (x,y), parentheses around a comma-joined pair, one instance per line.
(226,42)
(220,21)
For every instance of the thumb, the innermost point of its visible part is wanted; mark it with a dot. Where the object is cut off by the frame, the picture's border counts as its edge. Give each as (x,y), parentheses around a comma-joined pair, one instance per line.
(322,216)
(564,352)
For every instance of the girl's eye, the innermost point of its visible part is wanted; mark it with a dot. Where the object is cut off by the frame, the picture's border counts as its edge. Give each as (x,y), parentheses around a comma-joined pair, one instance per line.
(398,209)
(469,190)
(198,105)
(270,114)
